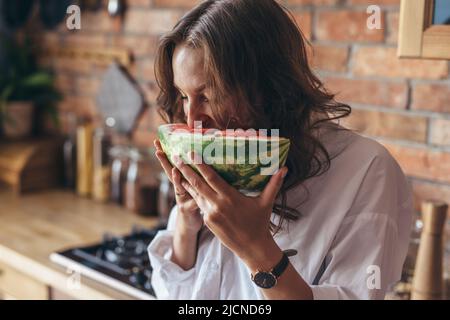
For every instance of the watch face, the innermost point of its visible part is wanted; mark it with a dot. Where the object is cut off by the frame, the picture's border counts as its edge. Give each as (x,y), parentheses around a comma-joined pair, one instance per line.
(265,280)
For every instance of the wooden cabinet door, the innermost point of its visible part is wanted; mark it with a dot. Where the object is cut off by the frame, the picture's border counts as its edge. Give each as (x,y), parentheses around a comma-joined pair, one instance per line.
(16,285)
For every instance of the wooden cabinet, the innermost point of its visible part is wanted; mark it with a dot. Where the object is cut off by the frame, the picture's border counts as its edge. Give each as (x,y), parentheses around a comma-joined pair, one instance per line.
(16,285)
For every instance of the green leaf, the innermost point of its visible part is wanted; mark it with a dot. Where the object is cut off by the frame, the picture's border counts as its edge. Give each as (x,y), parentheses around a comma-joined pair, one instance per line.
(40,79)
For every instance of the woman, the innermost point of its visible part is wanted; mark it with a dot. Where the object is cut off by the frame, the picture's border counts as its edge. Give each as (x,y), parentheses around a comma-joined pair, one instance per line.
(341,207)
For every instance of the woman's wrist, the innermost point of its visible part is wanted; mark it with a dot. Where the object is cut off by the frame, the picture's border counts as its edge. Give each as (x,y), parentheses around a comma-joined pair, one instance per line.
(184,248)
(263,256)
(185,229)
(186,233)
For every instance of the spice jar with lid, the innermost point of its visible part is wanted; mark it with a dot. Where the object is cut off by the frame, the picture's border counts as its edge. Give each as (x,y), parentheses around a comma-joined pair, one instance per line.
(141,188)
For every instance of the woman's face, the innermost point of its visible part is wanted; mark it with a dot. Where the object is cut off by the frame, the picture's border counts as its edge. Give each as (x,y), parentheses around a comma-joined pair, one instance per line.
(190,80)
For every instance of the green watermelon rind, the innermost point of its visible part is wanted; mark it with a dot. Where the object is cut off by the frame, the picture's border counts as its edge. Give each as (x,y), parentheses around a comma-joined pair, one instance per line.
(247,177)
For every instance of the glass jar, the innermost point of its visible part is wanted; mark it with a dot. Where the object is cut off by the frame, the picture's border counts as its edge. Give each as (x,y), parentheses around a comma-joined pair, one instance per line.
(119,165)
(141,188)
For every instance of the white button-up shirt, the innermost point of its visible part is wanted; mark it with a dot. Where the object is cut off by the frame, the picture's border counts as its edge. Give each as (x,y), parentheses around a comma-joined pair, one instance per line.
(351,239)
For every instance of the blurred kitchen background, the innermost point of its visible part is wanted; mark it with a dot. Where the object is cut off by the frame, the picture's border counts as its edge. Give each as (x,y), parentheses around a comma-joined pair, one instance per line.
(78,117)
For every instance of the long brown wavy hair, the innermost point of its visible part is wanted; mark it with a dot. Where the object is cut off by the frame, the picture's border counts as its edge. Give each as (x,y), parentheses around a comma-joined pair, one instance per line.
(256,54)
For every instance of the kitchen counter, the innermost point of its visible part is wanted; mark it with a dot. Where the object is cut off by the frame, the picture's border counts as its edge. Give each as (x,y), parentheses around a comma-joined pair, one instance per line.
(34,225)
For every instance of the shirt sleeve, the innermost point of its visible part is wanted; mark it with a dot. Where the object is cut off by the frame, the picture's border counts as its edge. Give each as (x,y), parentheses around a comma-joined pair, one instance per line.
(369,249)
(169,281)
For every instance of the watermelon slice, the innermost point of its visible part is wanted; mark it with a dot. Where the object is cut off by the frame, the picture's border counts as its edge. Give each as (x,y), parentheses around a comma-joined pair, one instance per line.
(245,159)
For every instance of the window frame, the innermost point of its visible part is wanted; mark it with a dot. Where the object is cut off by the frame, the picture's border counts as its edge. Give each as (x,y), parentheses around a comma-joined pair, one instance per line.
(418,37)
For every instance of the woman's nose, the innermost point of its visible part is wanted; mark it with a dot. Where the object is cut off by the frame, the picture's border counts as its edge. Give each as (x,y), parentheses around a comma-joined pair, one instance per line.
(194,113)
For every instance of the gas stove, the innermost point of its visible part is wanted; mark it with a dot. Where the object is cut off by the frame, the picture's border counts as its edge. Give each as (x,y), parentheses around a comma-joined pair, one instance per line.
(120,262)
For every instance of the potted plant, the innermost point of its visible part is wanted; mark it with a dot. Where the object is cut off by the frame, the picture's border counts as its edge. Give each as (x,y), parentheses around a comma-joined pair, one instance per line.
(24,89)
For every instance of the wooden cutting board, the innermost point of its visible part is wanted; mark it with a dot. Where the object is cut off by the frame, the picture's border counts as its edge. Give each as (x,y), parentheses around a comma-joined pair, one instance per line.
(119,97)
(32,164)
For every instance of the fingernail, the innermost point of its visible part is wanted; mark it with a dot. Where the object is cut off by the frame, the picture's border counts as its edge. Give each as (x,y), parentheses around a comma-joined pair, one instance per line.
(285,171)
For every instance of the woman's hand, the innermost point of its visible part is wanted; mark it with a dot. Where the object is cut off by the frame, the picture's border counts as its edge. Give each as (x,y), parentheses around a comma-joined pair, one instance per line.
(189,220)
(241,223)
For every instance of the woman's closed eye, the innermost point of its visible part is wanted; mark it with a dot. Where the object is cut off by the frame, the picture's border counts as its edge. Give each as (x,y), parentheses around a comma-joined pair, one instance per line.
(202,98)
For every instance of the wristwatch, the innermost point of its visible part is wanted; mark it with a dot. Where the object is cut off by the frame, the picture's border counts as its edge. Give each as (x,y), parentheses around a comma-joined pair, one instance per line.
(268,279)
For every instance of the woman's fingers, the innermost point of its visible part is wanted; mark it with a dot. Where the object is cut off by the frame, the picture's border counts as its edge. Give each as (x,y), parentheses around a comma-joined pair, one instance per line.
(196,181)
(210,176)
(157,144)
(191,192)
(271,190)
(165,164)
(180,191)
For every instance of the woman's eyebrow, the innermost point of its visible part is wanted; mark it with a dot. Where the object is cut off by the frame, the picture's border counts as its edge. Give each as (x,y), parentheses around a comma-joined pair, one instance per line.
(199,89)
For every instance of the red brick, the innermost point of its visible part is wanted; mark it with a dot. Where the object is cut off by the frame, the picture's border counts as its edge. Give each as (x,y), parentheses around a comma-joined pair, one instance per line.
(432,97)
(155,21)
(150,91)
(157,120)
(176,3)
(65,83)
(390,125)
(46,39)
(98,21)
(371,92)
(346,25)
(144,138)
(82,106)
(304,21)
(139,45)
(429,191)
(379,61)
(77,66)
(440,132)
(146,128)
(144,122)
(151,120)
(146,70)
(87,86)
(393,23)
(330,58)
(421,162)
(85,41)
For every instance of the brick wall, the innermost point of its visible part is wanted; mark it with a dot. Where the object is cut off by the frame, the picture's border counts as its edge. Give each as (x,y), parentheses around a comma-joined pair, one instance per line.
(405,104)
